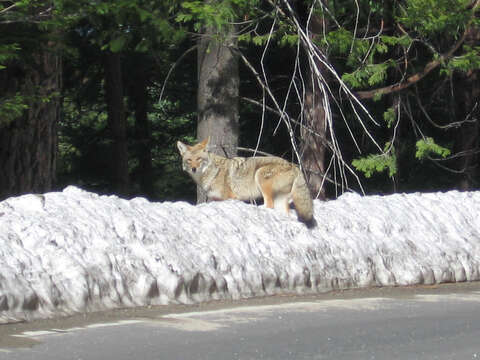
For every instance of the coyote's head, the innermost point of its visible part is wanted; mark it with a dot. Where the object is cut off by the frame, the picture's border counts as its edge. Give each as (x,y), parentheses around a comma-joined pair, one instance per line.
(194,158)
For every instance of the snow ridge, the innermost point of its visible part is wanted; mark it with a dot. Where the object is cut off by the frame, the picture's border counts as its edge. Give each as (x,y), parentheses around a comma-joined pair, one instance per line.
(75,251)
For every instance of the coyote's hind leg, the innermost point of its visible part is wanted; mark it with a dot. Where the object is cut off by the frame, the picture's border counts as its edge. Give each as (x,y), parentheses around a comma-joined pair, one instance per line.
(264,182)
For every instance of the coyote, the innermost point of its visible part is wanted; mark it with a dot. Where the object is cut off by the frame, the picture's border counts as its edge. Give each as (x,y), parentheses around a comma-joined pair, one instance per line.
(274,178)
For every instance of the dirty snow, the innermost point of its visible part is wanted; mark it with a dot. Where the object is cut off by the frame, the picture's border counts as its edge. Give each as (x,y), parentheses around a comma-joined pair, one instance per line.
(75,251)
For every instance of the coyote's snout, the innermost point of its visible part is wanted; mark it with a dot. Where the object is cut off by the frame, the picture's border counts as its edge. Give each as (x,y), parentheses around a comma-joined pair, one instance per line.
(275,179)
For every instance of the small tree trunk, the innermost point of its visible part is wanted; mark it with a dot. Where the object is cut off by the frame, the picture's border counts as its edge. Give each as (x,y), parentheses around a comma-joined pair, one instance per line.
(468,109)
(217,99)
(467,139)
(143,132)
(313,142)
(28,144)
(116,122)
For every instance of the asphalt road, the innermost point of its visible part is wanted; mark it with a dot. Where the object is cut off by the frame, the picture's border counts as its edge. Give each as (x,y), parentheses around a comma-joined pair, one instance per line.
(440,322)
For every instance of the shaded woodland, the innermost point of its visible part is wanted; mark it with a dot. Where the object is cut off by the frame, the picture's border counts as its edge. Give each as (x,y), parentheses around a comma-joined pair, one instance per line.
(368,96)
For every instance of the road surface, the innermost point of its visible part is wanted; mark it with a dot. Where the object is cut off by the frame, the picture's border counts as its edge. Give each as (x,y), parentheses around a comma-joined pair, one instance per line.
(441,322)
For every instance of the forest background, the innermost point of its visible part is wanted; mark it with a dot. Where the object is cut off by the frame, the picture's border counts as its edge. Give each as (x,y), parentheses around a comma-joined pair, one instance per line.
(367,96)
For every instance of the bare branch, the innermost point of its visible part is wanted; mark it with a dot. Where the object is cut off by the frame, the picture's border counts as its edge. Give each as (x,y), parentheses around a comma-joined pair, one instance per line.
(8,8)
(306,128)
(172,68)
(283,115)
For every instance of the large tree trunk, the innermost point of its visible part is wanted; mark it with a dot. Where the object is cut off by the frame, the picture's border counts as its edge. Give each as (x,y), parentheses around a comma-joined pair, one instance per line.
(117,124)
(468,110)
(28,144)
(143,132)
(217,98)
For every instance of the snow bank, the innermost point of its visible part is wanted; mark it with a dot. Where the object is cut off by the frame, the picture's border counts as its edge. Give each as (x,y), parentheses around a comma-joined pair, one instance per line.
(75,251)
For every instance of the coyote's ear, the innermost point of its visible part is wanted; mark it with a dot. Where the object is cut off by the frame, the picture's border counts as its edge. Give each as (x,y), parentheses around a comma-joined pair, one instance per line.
(182,147)
(204,143)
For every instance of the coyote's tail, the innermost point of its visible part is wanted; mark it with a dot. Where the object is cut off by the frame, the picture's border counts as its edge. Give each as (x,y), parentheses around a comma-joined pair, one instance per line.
(303,201)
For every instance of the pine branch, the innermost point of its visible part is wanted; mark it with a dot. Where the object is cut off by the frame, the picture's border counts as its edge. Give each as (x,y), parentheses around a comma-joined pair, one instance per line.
(432,65)
(413,79)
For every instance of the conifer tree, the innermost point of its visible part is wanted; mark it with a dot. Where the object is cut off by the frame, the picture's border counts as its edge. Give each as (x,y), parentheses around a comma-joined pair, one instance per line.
(30,86)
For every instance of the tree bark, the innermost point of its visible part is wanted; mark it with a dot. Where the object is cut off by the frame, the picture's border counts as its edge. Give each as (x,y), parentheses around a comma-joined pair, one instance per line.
(218,91)
(117,124)
(28,144)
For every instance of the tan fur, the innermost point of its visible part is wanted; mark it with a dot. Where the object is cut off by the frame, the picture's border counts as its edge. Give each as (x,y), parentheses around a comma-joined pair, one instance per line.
(275,179)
